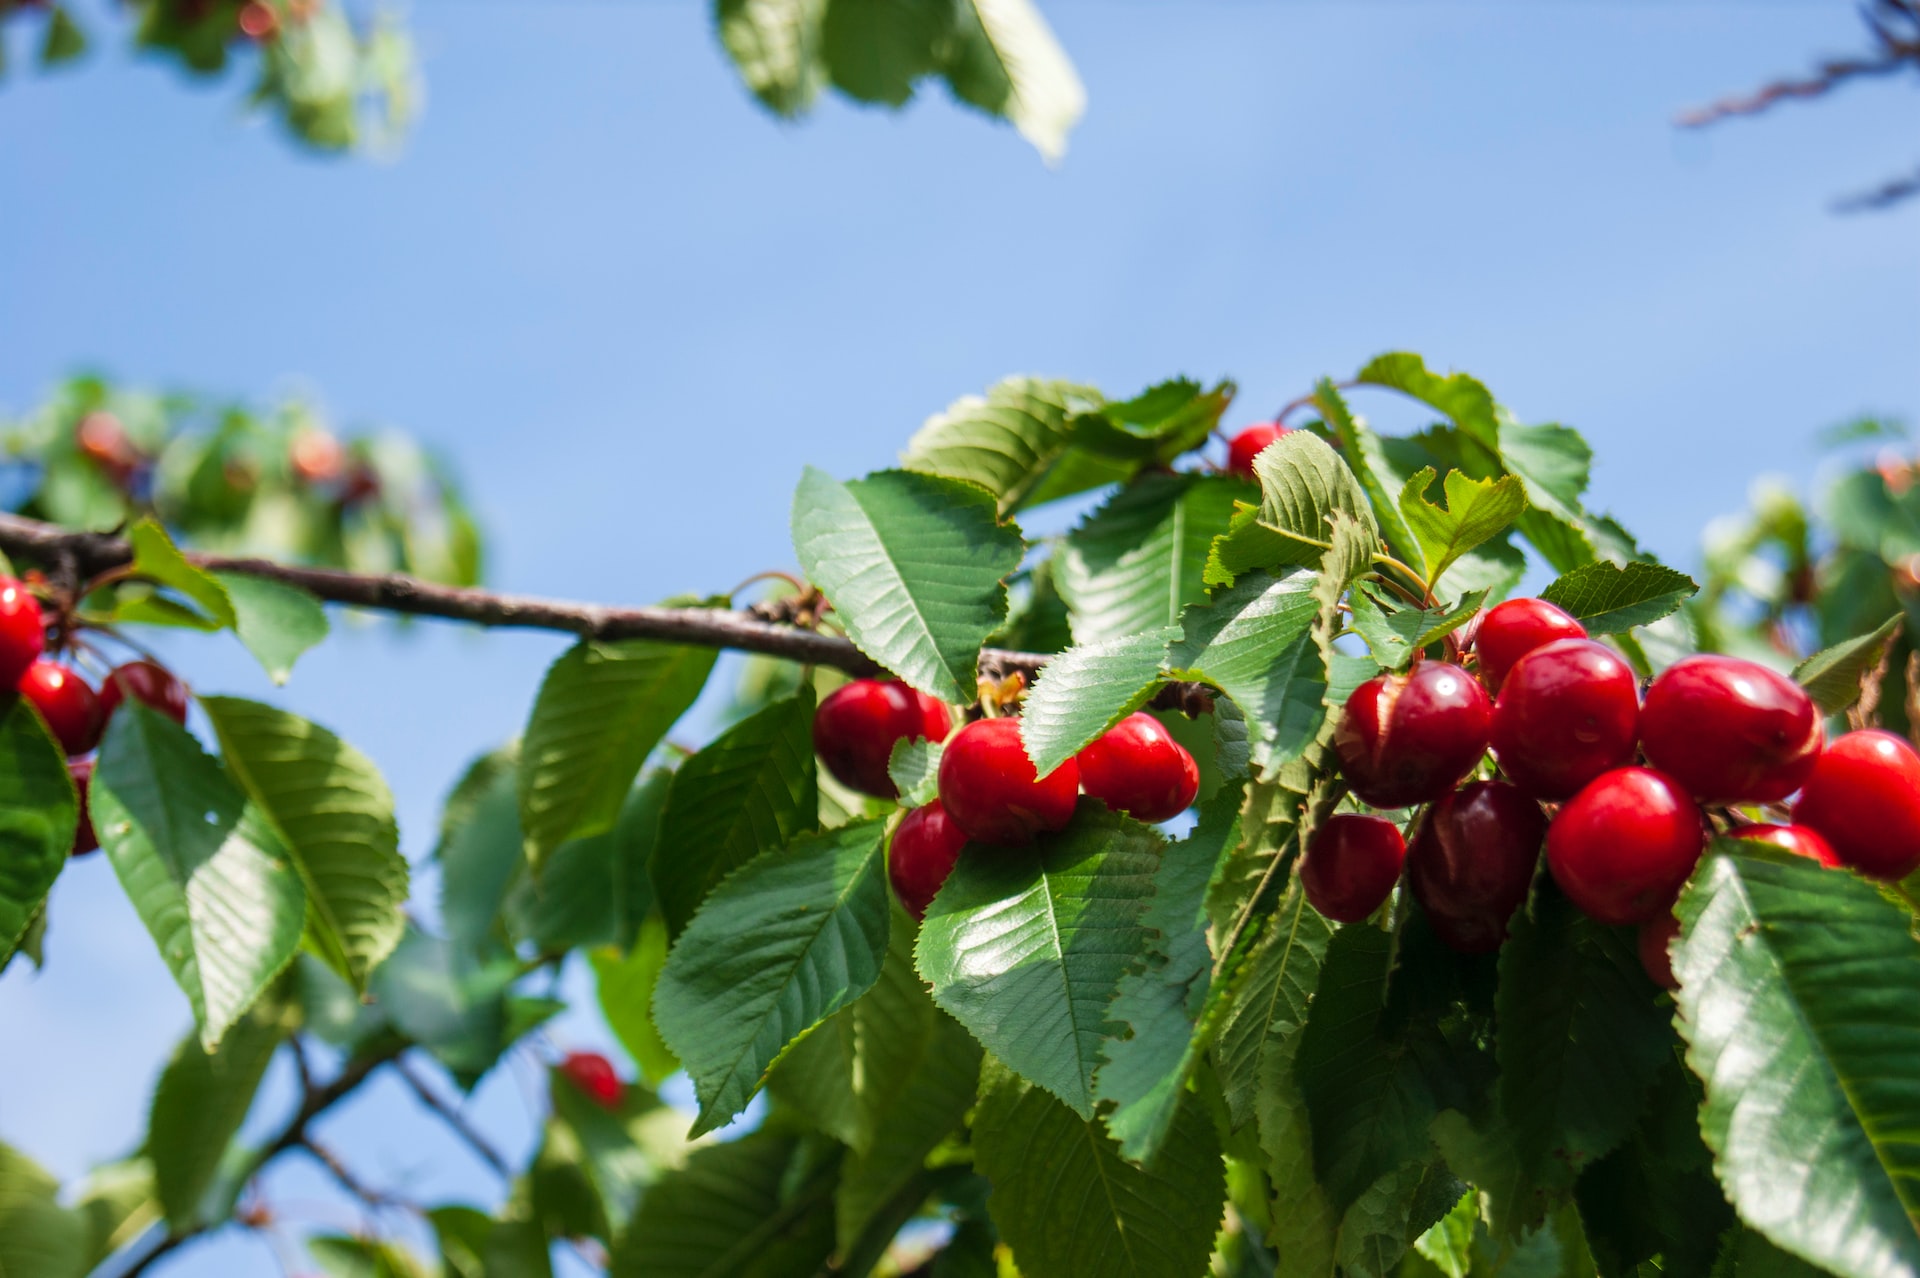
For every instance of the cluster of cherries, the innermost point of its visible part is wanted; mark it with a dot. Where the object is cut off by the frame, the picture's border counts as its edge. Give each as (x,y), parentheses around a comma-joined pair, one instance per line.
(989,789)
(74,712)
(1628,779)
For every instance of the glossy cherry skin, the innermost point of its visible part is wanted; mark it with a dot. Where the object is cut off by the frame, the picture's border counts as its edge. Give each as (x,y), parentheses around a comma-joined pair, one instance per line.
(67,702)
(1567,712)
(1472,862)
(22,631)
(85,840)
(1351,865)
(1864,796)
(856,727)
(1624,846)
(926,846)
(1136,767)
(1729,730)
(1409,738)
(988,785)
(1511,630)
(594,1075)
(1801,840)
(1656,935)
(152,684)
(1246,446)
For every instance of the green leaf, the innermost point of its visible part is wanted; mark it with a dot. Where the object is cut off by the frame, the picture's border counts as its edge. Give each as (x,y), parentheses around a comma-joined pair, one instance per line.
(1066,1202)
(1014,442)
(480,851)
(1270,1007)
(1255,643)
(340,1256)
(1026,949)
(1378,475)
(1457,395)
(1449,1243)
(1086,690)
(620,1151)
(1477,511)
(1175,416)
(1394,636)
(64,41)
(38,1237)
(1832,676)
(748,792)
(276,622)
(331,809)
(914,566)
(449,1001)
(1609,599)
(602,709)
(1138,560)
(156,557)
(757,1207)
(914,769)
(1302,482)
(626,986)
(1008,64)
(1796,990)
(38,815)
(475,1245)
(210,880)
(778,948)
(117,1205)
(775,45)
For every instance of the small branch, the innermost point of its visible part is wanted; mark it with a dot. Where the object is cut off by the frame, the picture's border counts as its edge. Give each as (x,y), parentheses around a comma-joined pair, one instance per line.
(1893,57)
(453,1119)
(375,1199)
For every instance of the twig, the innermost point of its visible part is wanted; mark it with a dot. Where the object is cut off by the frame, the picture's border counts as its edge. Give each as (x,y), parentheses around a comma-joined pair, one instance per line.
(375,1199)
(453,1118)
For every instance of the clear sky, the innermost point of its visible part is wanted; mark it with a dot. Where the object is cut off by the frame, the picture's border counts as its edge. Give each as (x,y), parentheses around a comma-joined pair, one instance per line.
(632,306)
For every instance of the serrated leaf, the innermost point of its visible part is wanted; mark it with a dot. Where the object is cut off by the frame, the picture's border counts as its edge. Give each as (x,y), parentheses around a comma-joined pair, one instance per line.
(1011,442)
(1395,632)
(333,812)
(1477,511)
(1382,480)
(626,986)
(275,621)
(1026,948)
(156,557)
(1009,64)
(1086,690)
(1139,559)
(1796,984)
(1376,1231)
(1302,483)
(915,567)
(601,710)
(1832,675)
(914,769)
(1448,1244)
(1457,395)
(208,877)
(1270,1006)
(757,1207)
(1255,643)
(1609,599)
(38,815)
(777,949)
(1066,1202)
(1246,545)
(746,793)
(38,1237)
(1177,415)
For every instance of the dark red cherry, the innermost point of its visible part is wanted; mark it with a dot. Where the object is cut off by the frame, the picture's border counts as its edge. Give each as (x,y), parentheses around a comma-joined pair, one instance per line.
(1800,840)
(67,702)
(1351,865)
(1622,849)
(1511,630)
(84,838)
(1472,861)
(857,726)
(1729,730)
(1136,767)
(151,683)
(594,1075)
(1567,712)
(1246,446)
(1864,796)
(1656,939)
(925,848)
(1410,738)
(22,631)
(989,788)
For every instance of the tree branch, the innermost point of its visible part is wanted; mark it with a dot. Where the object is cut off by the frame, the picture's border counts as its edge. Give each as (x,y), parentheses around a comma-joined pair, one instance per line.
(453,1118)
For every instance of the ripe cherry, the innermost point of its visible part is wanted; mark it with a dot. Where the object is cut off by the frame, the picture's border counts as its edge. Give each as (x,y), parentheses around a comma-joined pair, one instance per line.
(1729,730)
(855,729)
(1656,936)
(1472,861)
(316,456)
(258,21)
(989,788)
(85,840)
(1351,865)
(1800,840)
(67,702)
(22,631)
(1246,446)
(1625,845)
(1511,630)
(151,683)
(1136,767)
(1567,712)
(1864,796)
(1410,738)
(594,1075)
(925,848)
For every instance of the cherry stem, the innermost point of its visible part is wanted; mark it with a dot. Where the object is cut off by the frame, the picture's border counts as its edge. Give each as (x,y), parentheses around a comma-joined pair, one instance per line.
(1426,591)
(771,574)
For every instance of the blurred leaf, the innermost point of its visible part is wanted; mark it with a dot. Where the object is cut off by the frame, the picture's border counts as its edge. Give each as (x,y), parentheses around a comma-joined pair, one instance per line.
(757,1207)
(914,769)
(475,1245)
(38,1237)
(1832,676)
(620,1148)
(448,1001)
(1255,643)
(1006,61)
(64,41)
(626,986)
(117,1205)
(775,45)
(1138,560)
(1086,690)
(480,852)
(38,816)
(276,622)
(1477,511)
(343,1257)
(1610,599)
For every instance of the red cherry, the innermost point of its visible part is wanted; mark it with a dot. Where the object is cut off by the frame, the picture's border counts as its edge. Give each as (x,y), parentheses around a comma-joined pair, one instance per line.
(1472,861)
(1798,839)
(925,848)
(1351,865)
(1511,630)
(316,456)
(1625,845)
(258,21)
(1729,730)
(1246,446)
(988,785)
(855,729)
(84,838)
(1567,712)
(151,683)
(22,631)
(1864,796)
(1136,767)
(67,702)
(1409,738)
(594,1075)
(1656,938)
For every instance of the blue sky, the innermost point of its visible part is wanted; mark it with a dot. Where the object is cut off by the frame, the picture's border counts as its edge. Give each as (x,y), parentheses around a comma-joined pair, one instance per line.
(633,306)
